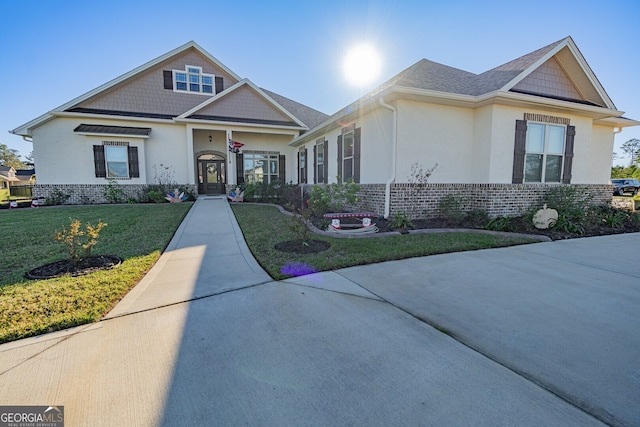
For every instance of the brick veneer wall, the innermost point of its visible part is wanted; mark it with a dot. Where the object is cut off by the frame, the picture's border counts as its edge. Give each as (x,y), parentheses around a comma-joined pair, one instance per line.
(86,194)
(495,199)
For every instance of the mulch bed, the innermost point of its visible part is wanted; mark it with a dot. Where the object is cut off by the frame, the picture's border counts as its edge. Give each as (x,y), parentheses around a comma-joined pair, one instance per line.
(67,267)
(516,225)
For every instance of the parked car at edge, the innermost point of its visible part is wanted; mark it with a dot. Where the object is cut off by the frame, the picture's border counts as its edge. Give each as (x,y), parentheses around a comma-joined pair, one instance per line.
(625,185)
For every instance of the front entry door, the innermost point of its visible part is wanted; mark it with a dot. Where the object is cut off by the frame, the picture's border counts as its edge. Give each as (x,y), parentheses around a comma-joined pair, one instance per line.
(212,176)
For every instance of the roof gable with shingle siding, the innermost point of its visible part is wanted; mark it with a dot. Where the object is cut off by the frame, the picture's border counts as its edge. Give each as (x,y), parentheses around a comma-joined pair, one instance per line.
(243,103)
(549,79)
(498,77)
(145,93)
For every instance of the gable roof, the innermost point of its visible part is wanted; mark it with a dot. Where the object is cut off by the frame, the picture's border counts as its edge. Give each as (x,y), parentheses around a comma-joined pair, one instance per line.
(430,75)
(246,103)
(102,99)
(518,76)
(7,173)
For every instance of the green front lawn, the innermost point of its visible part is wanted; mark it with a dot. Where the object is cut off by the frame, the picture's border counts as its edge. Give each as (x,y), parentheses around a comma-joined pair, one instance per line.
(264,226)
(137,233)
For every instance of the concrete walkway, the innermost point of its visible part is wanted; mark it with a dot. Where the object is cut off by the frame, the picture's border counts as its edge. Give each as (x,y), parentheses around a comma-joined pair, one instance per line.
(543,334)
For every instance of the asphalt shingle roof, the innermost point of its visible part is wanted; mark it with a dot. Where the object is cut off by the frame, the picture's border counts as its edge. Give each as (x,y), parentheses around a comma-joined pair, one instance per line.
(307,115)
(430,75)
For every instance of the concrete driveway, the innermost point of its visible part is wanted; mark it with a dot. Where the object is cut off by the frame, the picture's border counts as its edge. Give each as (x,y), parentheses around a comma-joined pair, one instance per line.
(564,315)
(543,334)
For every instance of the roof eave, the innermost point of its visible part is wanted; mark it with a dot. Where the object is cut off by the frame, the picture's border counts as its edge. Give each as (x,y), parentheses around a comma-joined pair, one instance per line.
(71,114)
(619,122)
(525,100)
(227,124)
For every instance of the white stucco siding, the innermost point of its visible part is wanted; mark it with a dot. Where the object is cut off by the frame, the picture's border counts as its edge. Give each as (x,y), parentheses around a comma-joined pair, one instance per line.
(430,134)
(601,155)
(482,147)
(166,153)
(376,147)
(65,157)
(503,132)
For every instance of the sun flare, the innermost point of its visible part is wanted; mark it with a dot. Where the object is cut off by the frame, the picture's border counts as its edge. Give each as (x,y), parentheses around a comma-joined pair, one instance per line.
(361,65)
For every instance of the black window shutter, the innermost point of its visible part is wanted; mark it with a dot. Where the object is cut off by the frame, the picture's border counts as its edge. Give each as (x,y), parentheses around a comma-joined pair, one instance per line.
(239,168)
(306,166)
(315,164)
(326,163)
(568,154)
(281,172)
(340,158)
(519,152)
(98,161)
(219,84)
(134,170)
(168,79)
(356,154)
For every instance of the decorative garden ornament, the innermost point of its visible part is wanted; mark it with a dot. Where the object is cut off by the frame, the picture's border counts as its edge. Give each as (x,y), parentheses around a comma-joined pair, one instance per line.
(545,217)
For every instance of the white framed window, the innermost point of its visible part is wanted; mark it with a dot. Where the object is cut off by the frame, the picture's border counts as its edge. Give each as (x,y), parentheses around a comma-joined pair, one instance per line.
(193,80)
(261,166)
(347,153)
(320,160)
(116,157)
(544,155)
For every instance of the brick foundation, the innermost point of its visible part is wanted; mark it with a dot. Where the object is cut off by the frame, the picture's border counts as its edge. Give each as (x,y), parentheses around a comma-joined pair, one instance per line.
(87,194)
(495,199)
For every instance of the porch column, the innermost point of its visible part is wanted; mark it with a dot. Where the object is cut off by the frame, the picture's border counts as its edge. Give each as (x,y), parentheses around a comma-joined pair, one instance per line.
(191,178)
(231,161)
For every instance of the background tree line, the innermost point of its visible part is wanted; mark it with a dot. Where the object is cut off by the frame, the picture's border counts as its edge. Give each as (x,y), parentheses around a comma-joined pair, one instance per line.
(632,148)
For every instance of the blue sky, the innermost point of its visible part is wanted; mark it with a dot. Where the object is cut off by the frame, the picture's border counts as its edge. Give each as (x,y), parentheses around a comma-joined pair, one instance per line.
(57,50)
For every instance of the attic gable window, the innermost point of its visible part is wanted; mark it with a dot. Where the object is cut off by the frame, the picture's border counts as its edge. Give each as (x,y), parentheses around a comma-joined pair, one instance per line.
(193,80)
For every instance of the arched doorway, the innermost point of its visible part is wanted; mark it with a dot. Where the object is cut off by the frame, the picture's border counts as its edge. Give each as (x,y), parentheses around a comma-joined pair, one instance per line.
(212,174)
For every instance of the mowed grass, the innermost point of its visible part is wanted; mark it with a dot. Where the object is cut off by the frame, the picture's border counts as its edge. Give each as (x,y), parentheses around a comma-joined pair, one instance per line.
(137,233)
(264,226)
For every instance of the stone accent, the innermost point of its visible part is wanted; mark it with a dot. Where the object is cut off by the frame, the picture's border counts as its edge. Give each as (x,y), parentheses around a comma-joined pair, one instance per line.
(495,199)
(87,194)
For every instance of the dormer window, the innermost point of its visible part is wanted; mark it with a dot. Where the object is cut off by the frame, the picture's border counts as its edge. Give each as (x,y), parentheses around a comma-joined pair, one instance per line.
(193,80)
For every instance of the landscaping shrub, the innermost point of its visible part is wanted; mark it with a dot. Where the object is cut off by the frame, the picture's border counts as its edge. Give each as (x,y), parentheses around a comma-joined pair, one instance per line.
(333,197)
(569,201)
(401,221)
(452,207)
(273,192)
(57,197)
(113,193)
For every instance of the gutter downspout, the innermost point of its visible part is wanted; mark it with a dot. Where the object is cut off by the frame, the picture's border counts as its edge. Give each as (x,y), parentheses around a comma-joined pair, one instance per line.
(394,136)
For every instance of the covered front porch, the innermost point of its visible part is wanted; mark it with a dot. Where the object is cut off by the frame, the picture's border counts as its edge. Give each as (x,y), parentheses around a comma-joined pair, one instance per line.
(258,156)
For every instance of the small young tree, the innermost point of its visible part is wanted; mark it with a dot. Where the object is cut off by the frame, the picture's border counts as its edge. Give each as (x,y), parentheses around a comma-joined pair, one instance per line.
(79,242)
(418,179)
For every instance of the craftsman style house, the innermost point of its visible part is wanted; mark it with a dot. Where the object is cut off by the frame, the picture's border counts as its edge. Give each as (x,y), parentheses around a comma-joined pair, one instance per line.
(175,119)
(500,138)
